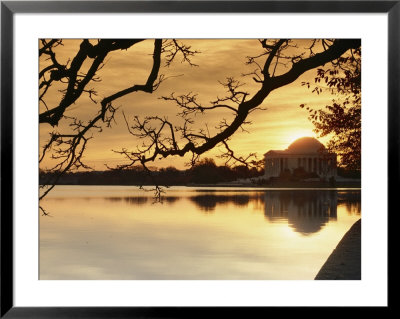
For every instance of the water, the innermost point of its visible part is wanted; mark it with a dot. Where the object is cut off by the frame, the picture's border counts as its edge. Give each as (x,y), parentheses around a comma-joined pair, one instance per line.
(118,232)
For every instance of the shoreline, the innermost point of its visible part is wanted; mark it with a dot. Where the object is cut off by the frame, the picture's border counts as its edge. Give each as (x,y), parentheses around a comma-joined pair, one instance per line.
(344,263)
(221,185)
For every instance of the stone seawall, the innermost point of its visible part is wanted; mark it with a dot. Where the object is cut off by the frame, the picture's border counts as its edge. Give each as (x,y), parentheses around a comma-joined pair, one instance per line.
(345,261)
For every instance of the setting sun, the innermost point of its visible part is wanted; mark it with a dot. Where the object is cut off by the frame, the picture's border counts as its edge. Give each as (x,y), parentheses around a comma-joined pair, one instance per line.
(293,136)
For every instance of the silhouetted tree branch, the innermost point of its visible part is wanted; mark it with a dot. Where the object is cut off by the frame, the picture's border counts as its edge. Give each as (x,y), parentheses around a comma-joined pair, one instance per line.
(163,139)
(68,148)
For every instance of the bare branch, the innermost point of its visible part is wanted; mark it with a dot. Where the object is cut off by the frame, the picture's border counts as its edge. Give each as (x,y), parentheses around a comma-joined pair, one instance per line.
(199,143)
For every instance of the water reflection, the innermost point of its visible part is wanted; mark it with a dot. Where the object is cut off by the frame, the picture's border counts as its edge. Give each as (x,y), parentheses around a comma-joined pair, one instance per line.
(141,200)
(117,233)
(133,200)
(208,202)
(351,200)
(305,211)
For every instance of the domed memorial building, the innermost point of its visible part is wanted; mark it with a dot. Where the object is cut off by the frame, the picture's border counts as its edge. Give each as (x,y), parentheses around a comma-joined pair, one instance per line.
(305,153)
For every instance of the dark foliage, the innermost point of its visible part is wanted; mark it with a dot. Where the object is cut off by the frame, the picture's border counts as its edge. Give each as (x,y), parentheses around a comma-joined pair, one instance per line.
(341,120)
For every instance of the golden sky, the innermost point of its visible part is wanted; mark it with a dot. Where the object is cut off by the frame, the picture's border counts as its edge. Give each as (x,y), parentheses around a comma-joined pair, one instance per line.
(281,123)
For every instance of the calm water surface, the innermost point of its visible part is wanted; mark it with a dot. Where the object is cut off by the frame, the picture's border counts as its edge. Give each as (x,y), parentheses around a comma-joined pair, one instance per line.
(118,232)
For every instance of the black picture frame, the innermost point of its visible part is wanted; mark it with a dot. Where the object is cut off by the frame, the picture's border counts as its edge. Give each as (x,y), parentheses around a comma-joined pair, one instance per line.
(9,8)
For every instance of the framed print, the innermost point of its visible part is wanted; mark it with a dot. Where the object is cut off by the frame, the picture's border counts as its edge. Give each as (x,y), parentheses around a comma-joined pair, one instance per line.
(196,156)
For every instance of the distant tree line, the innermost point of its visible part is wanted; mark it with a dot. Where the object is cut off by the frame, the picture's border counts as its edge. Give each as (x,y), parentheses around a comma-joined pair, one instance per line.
(300,174)
(205,171)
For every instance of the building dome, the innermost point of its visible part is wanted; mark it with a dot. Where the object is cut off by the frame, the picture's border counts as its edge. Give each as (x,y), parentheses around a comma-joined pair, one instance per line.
(306,145)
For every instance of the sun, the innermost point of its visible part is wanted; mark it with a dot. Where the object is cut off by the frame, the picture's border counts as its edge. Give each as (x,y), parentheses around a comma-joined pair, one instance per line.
(292,136)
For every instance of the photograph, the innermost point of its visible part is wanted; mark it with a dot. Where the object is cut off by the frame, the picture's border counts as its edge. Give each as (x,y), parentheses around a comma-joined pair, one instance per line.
(199,158)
